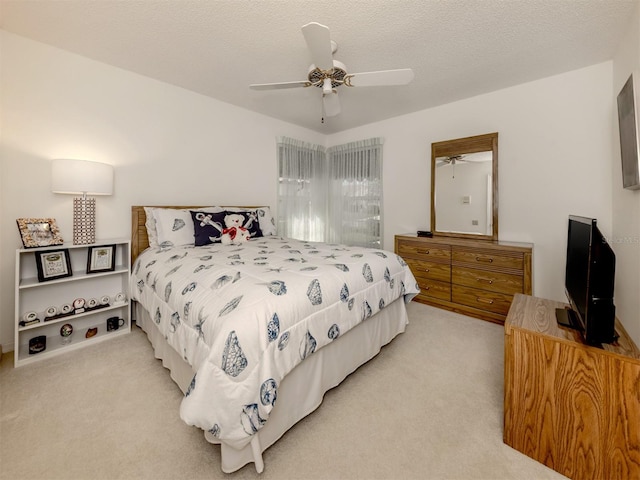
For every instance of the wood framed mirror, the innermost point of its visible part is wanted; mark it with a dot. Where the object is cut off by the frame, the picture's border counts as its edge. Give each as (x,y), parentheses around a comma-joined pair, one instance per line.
(464,187)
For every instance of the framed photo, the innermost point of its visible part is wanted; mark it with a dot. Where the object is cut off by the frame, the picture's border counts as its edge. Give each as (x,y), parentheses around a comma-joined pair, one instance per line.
(53,264)
(101,259)
(39,232)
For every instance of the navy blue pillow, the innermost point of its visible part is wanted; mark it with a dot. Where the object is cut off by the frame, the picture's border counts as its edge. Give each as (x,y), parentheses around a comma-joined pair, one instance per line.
(251,222)
(207,227)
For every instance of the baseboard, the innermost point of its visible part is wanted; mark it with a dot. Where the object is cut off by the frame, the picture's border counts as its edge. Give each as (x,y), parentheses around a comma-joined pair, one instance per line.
(6,348)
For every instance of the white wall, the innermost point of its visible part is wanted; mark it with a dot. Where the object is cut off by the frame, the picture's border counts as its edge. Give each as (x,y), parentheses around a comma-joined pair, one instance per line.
(626,203)
(554,149)
(168,146)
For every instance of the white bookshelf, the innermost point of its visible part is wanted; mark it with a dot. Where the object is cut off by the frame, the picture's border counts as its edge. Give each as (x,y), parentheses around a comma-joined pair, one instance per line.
(35,296)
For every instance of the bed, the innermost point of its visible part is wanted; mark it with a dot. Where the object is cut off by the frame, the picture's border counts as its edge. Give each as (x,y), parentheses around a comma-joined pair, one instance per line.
(240,326)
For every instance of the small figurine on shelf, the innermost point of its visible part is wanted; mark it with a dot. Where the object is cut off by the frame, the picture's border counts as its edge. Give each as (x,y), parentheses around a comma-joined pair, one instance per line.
(78,305)
(66,331)
(29,318)
(92,304)
(50,313)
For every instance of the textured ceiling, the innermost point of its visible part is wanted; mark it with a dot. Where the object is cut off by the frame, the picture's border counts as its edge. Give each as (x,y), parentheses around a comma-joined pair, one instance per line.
(457,48)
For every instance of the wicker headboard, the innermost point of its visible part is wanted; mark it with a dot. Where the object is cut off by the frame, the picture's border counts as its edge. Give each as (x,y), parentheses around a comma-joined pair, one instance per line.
(139,238)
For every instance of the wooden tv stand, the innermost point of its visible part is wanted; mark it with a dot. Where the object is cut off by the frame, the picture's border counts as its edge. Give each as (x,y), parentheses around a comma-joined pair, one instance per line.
(570,406)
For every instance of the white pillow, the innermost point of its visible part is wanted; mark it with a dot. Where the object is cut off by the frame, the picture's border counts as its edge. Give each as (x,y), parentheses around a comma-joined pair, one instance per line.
(150,223)
(265,219)
(174,227)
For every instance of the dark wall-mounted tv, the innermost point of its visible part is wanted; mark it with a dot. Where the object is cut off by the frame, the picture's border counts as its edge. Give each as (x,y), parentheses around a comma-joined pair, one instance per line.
(589,282)
(629,147)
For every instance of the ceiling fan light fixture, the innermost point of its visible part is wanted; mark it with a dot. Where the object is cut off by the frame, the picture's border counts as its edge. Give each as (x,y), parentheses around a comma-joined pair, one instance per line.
(318,77)
(326,86)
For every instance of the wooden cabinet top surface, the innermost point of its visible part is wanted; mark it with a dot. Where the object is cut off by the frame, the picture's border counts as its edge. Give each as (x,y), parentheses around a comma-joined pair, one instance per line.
(538,315)
(468,242)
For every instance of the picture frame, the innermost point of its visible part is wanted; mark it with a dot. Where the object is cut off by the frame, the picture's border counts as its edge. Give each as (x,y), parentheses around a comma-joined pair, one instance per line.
(39,232)
(101,259)
(53,264)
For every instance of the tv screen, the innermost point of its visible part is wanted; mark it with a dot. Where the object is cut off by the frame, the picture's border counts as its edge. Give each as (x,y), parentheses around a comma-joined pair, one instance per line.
(589,282)
(577,266)
(628,126)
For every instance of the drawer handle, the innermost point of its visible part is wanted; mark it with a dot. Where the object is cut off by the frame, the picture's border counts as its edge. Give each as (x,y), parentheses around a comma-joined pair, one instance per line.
(425,252)
(490,282)
(426,288)
(426,269)
(484,300)
(480,259)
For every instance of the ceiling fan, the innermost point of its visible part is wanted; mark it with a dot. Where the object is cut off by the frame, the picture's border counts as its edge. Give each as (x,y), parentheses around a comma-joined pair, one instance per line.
(452,160)
(460,159)
(329,74)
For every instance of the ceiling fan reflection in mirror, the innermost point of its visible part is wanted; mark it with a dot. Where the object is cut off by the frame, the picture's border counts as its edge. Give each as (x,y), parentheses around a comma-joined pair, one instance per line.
(329,74)
(452,160)
(462,159)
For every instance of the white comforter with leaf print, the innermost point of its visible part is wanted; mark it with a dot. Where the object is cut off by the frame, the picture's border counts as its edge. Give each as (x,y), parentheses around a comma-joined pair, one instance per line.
(245,316)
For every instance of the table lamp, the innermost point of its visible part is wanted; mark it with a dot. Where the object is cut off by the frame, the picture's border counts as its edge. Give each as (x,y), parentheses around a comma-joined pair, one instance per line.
(82,177)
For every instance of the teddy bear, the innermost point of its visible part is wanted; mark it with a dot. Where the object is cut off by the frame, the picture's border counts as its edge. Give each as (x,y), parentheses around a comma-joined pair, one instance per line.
(234,232)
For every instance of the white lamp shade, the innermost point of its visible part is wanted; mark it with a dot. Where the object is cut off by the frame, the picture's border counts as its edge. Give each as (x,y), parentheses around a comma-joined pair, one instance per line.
(81,177)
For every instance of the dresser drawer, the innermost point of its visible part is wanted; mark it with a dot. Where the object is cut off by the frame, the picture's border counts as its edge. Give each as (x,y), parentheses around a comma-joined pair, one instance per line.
(487,280)
(514,261)
(424,252)
(432,270)
(434,288)
(481,299)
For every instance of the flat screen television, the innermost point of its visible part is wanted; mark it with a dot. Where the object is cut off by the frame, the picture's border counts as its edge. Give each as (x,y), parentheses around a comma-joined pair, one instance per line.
(589,281)
(629,146)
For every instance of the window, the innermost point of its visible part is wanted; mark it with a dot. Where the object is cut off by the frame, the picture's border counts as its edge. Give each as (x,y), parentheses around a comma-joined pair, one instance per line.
(302,190)
(355,193)
(333,196)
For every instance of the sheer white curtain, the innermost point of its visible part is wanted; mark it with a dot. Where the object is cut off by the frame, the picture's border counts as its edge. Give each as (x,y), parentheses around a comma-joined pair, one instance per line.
(302,190)
(355,193)
(331,197)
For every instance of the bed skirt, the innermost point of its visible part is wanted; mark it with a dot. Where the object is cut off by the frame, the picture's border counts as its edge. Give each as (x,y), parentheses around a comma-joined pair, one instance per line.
(297,396)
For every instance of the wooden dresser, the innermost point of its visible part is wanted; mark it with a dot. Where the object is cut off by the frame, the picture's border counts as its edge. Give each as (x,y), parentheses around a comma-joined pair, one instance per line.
(573,407)
(474,277)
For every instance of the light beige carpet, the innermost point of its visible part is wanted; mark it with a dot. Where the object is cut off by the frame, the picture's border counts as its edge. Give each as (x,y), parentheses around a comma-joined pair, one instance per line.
(428,406)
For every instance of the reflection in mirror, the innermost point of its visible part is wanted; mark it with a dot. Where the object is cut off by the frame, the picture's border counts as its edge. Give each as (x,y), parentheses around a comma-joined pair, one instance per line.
(464,187)
(464,193)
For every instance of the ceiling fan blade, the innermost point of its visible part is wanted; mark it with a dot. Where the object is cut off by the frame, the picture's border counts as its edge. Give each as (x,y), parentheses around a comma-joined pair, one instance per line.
(279,86)
(401,76)
(319,43)
(331,104)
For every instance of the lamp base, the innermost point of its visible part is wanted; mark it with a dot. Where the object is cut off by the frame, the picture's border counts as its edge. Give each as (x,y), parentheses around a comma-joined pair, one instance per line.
(84,221)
